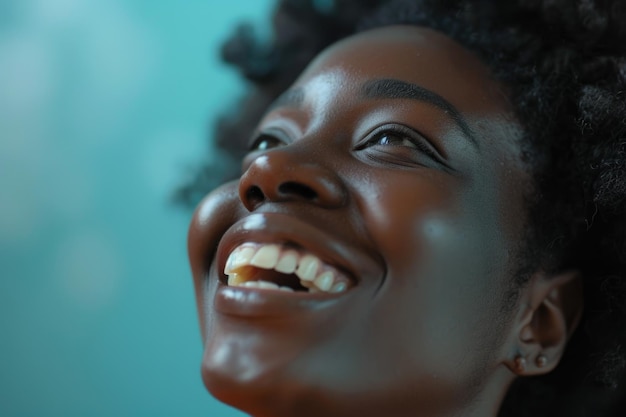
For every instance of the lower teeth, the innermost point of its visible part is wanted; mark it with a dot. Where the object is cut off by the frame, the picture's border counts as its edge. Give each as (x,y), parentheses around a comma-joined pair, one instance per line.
(264,285)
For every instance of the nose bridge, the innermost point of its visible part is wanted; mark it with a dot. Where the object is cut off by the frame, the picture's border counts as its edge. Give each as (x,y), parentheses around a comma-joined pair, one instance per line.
(291,173)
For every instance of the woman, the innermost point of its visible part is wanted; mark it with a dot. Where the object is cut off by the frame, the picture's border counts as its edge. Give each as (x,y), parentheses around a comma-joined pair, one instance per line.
(429,219)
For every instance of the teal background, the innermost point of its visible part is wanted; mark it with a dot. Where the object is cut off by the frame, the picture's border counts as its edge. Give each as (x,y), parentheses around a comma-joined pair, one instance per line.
(103,105)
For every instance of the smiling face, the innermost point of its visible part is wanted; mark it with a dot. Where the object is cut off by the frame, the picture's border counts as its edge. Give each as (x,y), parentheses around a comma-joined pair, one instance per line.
(388,180)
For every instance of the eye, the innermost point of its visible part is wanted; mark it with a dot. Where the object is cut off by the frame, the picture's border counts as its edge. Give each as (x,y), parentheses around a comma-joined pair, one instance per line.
(264,142)
(402,140)
(392,139)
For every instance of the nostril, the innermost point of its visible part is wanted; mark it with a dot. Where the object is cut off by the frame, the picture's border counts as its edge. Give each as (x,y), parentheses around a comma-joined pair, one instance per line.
(254,195)
(297,189)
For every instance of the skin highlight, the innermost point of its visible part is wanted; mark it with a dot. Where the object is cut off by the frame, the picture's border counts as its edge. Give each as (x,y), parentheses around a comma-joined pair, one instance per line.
(415,188)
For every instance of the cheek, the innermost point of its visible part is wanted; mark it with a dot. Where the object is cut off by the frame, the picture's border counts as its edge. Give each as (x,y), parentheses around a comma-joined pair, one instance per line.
(436,223)
(408,215)
(444,252)
(213,216)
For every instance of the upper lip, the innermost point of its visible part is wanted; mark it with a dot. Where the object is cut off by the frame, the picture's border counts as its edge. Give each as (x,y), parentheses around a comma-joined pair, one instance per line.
(286,229)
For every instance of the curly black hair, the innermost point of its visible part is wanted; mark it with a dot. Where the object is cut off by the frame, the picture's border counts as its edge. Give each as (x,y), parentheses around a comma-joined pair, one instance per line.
(564,65)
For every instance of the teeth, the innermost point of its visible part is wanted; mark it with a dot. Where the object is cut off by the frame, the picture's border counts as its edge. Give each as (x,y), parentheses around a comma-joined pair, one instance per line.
(267,285)
(339,287)
(288,262)
(284,260)
(266,257)
(235,279)
(263,284)
(324,281)
(259,284)
(238,258)
(307,284)
(307,268)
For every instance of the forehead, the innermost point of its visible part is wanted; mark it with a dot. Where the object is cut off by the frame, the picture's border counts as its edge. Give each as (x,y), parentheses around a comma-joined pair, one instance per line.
(420,56)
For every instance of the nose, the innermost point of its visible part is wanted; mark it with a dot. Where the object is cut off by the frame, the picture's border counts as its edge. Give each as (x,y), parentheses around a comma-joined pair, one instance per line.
(280,175)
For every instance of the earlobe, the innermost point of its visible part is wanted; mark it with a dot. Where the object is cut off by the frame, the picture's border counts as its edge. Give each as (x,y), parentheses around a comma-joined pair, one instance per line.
(550,309)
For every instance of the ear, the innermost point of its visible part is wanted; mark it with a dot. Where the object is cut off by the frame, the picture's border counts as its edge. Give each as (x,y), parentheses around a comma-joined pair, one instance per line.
(550,308)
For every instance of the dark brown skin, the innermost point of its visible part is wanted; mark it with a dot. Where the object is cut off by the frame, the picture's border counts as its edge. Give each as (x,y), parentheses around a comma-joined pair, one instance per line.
(428,233)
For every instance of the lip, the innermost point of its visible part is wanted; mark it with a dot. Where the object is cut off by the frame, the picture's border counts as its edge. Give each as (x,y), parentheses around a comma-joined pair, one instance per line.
(281,228)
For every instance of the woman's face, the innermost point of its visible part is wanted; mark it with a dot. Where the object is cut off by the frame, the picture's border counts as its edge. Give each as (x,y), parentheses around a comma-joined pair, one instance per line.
(390,173)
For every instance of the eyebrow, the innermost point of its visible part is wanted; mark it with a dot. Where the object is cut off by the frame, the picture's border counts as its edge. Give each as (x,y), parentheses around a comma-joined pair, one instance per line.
(388,88)
(396,89)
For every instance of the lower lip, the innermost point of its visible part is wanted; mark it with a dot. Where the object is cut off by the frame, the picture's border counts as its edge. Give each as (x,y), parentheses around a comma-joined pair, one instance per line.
(253,302)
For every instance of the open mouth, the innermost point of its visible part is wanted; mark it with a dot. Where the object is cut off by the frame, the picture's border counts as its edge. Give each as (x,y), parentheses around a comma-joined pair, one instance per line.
(282,268)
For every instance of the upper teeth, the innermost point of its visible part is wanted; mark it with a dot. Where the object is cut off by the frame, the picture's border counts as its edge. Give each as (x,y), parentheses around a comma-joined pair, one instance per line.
(313,273)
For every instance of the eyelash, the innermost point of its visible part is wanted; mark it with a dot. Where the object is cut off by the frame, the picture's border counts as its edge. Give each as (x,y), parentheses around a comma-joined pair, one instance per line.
(418,142)
(257,140)
(254,146)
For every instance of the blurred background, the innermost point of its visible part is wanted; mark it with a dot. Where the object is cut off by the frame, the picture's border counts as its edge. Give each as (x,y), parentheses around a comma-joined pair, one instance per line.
(103,106)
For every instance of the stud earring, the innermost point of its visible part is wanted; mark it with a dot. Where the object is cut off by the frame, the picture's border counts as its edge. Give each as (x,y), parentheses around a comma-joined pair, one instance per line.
(541,361)
(520,363)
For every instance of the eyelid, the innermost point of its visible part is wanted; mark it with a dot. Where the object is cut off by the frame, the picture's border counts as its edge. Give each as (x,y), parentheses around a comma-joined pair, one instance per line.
(276,133)
(421,141)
